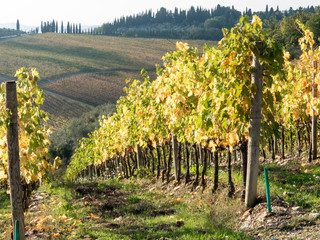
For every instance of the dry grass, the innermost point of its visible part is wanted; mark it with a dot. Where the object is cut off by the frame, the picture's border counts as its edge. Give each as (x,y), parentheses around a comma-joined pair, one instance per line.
(91,88)
(55,54)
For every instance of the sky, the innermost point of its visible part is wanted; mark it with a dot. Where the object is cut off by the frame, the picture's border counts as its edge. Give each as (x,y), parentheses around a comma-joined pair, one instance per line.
(97,12)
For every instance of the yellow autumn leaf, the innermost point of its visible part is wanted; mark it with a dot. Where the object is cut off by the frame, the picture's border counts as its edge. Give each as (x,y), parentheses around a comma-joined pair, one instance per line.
(45,164)
(3,143)
(290,76)
(182,46)
(314,101)
(65,219)
(286,56)
(177,201)
(309,109)
(56,235)
(307,33)
(92,216)
(77,222)
(212,145)
(34,178)
(257,20)
(3,175)
(232,138)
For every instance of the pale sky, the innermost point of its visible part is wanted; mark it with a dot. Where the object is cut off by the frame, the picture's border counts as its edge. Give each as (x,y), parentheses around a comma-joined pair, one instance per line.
(97,12)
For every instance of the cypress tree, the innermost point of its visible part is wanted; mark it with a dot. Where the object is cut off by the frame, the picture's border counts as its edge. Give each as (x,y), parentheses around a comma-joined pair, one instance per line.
(61,27)
(53,26)
(18,25)
(44,27)
(68,27)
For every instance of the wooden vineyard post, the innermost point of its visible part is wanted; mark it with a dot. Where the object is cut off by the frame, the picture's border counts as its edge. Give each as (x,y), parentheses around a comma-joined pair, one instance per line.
(254,131)
(314,116)
(13,159)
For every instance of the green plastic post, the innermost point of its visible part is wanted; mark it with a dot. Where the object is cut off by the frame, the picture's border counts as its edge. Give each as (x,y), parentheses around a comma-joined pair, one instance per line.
(16,230)
(267,189)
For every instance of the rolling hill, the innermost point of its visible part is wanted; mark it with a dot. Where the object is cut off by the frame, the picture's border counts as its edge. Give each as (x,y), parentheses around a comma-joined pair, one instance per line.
(79,72)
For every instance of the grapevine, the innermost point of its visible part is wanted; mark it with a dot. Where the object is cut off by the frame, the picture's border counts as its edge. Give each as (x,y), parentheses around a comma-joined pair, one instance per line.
(33,132)
(201,99)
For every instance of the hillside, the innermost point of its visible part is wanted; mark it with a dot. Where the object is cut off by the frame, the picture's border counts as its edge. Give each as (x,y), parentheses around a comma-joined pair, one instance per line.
(79,72)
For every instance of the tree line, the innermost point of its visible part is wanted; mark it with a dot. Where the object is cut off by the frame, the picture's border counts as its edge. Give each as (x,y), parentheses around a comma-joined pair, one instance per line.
(198,23)
(5,32)
(53,26)
(189,24)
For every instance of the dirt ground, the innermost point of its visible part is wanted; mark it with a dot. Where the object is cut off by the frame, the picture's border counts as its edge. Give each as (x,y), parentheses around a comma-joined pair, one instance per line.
(284,222)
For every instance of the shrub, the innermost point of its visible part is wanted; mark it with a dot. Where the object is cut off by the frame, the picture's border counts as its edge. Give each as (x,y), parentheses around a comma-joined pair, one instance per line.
(65,141)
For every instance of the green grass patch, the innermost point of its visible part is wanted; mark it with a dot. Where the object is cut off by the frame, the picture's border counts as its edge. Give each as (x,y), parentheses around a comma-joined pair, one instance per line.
(137,209)
(148,209)
(297,183)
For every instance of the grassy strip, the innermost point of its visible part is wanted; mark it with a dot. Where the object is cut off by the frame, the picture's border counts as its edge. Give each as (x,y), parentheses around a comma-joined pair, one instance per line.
(149,209)
(136,209)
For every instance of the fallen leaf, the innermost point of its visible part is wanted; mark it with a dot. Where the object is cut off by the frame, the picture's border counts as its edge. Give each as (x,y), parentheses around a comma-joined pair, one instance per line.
(77,222)
(177,201)
(247,213)
(56,235)
(65,219)
(92,216)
